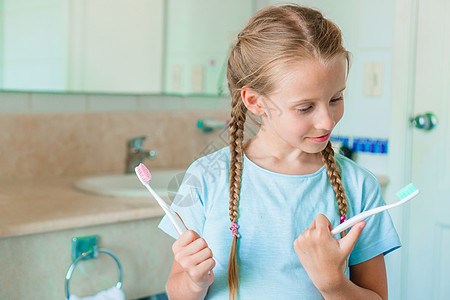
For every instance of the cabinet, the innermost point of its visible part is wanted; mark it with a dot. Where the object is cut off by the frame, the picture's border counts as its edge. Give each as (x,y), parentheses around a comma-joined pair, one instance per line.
(34,266)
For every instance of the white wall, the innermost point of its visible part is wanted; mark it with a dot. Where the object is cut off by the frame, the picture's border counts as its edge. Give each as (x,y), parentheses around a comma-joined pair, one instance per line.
(116,46)
(55,45)
(367,28)
(1,43)
(33,45)
(199,35)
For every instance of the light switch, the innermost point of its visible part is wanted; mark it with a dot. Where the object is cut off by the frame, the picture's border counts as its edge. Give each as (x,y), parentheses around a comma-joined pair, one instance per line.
(373,79)
(197,78)
(176,78)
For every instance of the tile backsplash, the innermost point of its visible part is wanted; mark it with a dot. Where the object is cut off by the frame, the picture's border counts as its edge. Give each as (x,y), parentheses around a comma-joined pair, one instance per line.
(78,102)
(73,144)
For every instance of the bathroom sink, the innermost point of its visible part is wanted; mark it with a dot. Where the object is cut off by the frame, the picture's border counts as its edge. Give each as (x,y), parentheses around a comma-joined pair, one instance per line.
(165,182)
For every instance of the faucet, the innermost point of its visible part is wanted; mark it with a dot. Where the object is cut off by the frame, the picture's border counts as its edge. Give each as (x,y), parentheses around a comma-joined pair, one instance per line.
(210,124)
(135,155)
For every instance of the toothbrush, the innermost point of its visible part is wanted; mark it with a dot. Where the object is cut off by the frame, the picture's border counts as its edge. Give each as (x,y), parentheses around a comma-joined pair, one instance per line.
(144,176)
(405,194)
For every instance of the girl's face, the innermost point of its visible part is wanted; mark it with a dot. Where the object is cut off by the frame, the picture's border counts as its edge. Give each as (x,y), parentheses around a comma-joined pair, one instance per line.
(306,106)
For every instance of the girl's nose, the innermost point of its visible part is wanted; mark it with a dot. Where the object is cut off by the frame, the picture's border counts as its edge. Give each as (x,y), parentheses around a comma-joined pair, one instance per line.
(325,120)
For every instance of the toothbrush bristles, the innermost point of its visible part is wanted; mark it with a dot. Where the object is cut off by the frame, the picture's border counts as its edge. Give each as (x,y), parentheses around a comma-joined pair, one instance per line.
(143,173)
(406,191)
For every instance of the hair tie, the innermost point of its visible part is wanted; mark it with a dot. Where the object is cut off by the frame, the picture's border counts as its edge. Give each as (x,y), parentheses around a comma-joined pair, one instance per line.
(343,219)
(234,227)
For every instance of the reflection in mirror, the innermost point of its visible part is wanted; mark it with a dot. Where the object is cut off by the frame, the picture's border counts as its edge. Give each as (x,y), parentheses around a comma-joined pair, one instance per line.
(118,46)
(199,36)
(82,45)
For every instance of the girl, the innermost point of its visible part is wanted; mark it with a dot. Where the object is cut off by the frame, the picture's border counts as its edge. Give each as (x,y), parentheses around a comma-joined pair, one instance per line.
(284,189)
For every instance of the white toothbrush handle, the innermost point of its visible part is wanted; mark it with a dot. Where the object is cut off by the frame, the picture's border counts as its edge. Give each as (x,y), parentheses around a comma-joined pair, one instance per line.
(173,216)
(359,217)
(365,214)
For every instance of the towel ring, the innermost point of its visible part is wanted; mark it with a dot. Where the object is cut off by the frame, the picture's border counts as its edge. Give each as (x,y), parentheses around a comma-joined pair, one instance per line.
(74,264)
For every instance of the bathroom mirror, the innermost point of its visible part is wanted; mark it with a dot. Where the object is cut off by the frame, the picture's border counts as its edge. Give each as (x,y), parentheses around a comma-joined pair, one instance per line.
(118,46)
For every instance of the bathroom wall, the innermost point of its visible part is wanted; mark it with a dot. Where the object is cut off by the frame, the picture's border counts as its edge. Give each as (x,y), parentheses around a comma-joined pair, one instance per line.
(48,134)
(197,47)
(129,60)
(53,45)
(41,24)
(367,34)
(367,28)
(52,134)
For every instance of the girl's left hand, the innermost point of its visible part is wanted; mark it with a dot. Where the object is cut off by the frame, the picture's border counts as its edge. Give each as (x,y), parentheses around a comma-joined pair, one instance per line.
(323,256)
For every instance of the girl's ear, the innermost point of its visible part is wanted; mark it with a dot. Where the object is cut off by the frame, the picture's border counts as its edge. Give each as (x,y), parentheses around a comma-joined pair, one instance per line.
(253,101)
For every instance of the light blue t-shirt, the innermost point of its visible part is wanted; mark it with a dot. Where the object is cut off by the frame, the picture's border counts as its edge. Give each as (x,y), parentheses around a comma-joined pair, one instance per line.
(274,209)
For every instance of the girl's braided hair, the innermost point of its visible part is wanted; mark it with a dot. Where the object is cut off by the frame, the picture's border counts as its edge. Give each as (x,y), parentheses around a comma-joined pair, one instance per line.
(273,38)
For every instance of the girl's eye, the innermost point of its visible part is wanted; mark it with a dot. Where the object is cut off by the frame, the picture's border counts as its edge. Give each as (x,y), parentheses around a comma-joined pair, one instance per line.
(336,99)
(309,108)
(305,109)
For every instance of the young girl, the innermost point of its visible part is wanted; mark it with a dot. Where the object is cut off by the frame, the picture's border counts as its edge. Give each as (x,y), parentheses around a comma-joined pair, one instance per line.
(283,190)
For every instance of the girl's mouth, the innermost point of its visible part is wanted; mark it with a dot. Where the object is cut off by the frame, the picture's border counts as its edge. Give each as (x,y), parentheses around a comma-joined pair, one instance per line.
(321,139)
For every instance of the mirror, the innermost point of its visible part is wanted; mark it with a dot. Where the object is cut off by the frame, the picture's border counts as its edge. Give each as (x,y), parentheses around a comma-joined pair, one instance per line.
(118,46)
(199,35)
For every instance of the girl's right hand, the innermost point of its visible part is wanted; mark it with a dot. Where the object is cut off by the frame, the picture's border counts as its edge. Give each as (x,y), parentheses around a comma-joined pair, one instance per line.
(191,252)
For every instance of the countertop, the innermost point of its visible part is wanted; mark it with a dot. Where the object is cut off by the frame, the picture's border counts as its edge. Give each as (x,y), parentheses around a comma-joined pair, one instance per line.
(49,204)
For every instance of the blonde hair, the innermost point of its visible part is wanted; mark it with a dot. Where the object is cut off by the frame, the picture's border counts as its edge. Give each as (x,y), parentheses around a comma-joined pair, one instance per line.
(272,39)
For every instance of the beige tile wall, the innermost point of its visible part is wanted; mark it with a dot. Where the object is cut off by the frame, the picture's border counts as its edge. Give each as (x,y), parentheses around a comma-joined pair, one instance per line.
(51,134)
(75,134)
(60,144)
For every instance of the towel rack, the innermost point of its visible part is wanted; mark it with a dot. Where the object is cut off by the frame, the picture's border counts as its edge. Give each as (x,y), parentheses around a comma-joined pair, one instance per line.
(74,264)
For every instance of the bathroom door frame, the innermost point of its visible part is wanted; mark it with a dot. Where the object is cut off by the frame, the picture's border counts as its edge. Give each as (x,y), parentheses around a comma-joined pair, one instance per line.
(426,231)
(400,137)
(413,17)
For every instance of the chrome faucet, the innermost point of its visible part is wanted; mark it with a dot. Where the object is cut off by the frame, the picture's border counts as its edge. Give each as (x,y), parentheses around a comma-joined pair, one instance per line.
(210,124)
(135,154)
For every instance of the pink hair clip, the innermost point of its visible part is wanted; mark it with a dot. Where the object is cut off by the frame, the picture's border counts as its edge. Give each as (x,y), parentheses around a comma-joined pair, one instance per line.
(234,227)
(343,219)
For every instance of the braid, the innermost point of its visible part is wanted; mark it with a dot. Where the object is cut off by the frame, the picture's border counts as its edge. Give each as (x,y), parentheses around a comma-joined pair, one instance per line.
(272,40)
(335,179)
(238,116)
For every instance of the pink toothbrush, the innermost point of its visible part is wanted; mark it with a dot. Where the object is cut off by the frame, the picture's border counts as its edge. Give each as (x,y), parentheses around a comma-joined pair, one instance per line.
(144,176)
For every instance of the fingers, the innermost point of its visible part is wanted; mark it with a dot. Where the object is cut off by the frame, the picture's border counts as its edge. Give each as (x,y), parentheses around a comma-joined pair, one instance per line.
(195,247)
(197,264)
(315,235)
(320,253)
(322,222)
(185,239)
(320,227)
(195,257)
(191,245)
(348,242)
(201,256)
(202,275)
(205,267)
